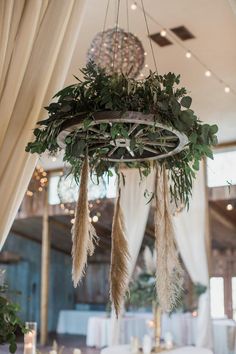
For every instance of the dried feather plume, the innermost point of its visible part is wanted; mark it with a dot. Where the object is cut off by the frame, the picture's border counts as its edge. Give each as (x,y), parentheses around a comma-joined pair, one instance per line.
(169,274)
(83,233)
(119,259)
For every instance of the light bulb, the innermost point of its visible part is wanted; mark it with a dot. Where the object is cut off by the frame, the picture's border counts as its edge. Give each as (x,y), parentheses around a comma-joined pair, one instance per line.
(207,73)
(145,53)
(188,55)
(72,221)
(54,159)
(227,89)
(133,6)
(146,65)
(229,207)
(95,218)
(163,33)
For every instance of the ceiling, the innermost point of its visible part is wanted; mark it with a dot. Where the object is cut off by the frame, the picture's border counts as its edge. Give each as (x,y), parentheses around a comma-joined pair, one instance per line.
(213,22)
(222,228)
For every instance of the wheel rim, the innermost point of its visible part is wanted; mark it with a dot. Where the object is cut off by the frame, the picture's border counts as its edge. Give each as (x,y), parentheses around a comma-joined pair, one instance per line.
(166,142)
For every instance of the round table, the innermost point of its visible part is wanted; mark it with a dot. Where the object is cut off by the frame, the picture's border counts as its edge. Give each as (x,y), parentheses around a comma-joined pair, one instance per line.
(125,349)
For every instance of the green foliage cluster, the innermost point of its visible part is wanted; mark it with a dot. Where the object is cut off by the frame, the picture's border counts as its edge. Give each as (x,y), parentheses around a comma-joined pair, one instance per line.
(143,291)
(10,323)
(157,94)
(143,294)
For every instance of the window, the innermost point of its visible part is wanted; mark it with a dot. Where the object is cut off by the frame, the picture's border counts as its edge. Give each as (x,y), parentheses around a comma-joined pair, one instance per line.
(52,190)
(220,171)
(217,297)
(234,297)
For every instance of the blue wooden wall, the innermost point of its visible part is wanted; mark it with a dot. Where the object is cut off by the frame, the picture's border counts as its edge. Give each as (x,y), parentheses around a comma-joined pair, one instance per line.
(25,275)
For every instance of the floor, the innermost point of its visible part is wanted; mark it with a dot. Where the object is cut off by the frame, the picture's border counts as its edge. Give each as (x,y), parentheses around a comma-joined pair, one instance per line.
(68,341)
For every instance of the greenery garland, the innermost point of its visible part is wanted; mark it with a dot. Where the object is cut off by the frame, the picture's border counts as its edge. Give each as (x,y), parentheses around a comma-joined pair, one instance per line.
(157,94)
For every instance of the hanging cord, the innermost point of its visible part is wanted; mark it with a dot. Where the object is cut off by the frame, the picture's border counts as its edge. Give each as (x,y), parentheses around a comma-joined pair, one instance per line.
(148,32)
(103,30)
(127,17)
(115,49)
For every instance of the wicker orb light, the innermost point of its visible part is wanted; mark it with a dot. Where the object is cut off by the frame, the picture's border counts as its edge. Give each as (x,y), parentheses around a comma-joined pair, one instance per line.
(117,51)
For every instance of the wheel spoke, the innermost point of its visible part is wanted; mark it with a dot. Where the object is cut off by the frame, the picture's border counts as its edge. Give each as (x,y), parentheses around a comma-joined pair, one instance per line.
(159,144)
(130,151)
(150,150)
(91,148)
(139,133)
(95,130)
(134,126)
(112,151)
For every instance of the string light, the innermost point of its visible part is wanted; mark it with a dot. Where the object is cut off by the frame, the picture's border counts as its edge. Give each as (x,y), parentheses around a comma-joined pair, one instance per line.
(72,221)
(207,73)
(163,33)
(145,53)
(133,6)
(229,207)
(37,182)
(146,65)
(188,54)
(54,159)
(95,218)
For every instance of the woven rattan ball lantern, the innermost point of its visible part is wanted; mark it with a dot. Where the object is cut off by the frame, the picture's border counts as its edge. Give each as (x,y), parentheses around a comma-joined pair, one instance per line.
(117,51)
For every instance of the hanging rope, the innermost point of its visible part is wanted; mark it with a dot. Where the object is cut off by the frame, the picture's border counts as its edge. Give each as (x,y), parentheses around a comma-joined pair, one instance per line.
(148,32)
(127,18)
(103,29)
(115,48)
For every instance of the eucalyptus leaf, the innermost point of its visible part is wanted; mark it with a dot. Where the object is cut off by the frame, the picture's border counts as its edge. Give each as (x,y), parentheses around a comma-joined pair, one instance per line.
(186,101)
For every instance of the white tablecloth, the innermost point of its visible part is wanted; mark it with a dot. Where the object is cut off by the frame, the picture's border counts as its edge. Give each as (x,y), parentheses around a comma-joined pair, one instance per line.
(75,322)
(125,349)
(99,329)
(181,326)
(224,336)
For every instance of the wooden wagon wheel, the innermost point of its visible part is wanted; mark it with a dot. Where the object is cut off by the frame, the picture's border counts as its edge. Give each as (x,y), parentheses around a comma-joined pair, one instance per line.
(139,145)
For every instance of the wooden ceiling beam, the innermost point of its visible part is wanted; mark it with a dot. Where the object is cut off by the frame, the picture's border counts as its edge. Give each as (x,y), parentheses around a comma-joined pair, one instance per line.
(220,217)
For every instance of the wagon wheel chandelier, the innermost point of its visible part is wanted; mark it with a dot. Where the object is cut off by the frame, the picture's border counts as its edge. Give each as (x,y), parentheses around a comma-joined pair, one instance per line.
(109,119)
(166,142)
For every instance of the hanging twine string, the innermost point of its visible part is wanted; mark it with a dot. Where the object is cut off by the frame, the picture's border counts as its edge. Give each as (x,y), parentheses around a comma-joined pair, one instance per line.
(103,30)
(116,30)
(127,17)
(148,32)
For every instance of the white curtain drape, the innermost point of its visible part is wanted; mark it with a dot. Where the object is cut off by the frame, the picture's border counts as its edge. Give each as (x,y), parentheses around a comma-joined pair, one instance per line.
(190,232)
(136,208)
(37,41)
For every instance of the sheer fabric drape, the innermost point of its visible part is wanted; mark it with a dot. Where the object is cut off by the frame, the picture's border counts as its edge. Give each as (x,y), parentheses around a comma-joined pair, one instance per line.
(136,210)
(190,233)
(37,41)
